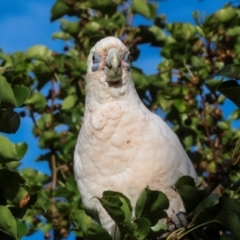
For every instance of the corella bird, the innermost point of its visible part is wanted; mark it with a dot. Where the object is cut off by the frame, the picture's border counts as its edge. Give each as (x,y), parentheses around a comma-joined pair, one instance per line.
(122,146)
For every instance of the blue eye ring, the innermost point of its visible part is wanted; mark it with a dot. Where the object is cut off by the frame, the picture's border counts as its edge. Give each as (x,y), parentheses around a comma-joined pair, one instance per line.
(126,59)
(96,59)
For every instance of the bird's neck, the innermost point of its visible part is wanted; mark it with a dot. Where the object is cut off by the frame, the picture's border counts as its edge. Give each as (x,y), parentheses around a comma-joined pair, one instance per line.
(125,95)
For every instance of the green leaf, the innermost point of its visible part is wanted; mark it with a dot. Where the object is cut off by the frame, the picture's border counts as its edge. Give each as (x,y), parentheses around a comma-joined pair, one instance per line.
(79,67)
(151,205)
(91,230)
(139,78)
(231,71)
(21,198)
(185,180)
(158,33)
(17,212)
(143,8)
(7,222)
(191,196)
(180,105)
(39,201)
(81,220)
(69,146)
(176,51)
(21,149)
(234,176)
(119,200)
(43,73)
(61,35)
(197,62)
(233,32)
(71,184)
(10,152)
(37,101)
(5,69)
(102,5)
(22,228)
(58,10)
(39,52)
(113,207)
(69,102)
(9,183)
(229,204)
(208,214)
(212,84)
(9,121)
(48,138)
(231,221)
(44,120)
(34,178)
(224,125)
(96,232)
(209,201)
(231,89)
(70,27)
(6,94)
(21,94)
(13,165)
(158,229)
(235,115)
(226,14)
(129,229)
(7,150)
(143,226)
(91,27)
(43,202)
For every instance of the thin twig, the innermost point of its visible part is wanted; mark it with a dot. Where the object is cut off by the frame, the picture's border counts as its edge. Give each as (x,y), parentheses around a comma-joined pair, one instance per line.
(52,104)
(61,167)
(53,157)
(81,87)
(204,122)
(34,121)
(234,152)
(54,170)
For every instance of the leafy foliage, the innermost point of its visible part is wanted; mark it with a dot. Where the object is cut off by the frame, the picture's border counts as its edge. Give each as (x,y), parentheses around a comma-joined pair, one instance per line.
(191,102)
(16,196)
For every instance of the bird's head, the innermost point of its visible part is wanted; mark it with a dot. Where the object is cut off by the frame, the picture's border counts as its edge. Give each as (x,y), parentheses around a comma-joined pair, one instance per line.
(108,70)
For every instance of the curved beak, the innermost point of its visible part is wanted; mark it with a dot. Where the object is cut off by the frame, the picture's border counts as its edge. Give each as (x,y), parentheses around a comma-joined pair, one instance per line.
(113,68)
(113,60)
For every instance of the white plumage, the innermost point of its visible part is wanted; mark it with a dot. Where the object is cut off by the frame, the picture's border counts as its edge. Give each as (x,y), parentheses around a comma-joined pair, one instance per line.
(122,146)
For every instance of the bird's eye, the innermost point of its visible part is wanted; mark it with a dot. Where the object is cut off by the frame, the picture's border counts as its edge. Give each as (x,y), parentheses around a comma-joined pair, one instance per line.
(96,59)
(126,59)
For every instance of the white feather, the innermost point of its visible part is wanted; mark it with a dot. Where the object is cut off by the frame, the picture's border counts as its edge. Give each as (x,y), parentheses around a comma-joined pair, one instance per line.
(122,146)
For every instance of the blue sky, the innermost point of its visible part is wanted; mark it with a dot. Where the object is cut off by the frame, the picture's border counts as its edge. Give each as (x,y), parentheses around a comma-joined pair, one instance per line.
(24,23)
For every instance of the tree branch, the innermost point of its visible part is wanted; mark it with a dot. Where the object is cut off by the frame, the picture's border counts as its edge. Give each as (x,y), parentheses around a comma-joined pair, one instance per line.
(204,122)
(34,121)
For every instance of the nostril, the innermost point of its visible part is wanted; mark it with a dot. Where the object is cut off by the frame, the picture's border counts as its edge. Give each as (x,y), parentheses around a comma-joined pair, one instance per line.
(108,65)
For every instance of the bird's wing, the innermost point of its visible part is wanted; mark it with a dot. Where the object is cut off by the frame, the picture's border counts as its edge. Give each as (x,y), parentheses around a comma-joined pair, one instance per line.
(174,161)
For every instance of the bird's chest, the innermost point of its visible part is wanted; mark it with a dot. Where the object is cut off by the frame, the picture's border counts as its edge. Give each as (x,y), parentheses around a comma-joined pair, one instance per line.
(112,136)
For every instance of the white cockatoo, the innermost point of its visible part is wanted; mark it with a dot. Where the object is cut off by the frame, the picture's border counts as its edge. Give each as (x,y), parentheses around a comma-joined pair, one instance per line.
(122,146)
